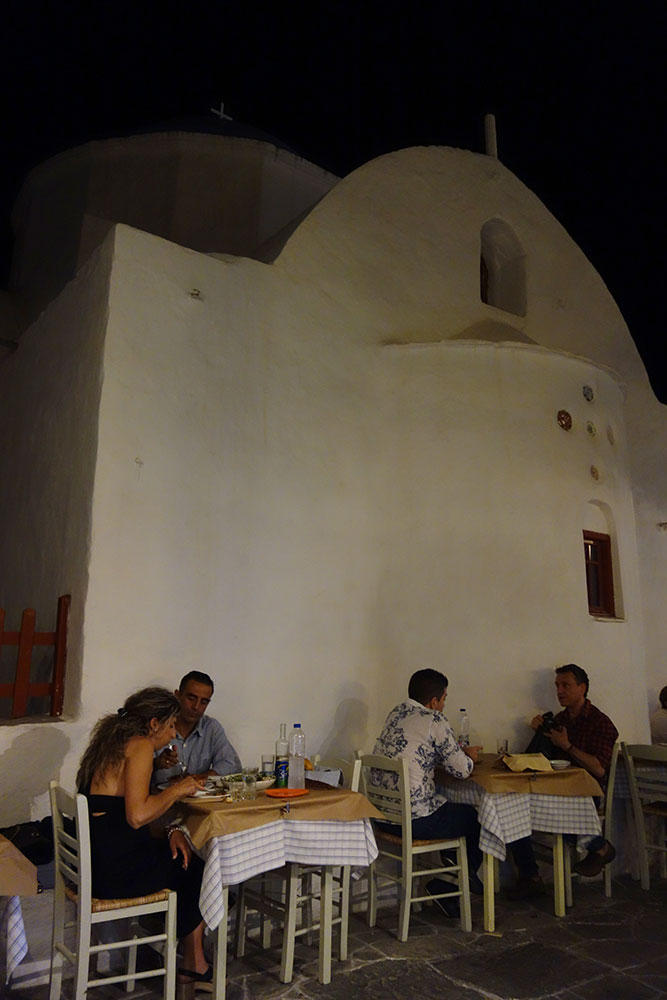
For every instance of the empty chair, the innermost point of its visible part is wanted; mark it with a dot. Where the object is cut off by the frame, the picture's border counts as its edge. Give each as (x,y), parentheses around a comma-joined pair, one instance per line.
(281,896)
(646,766)
(351,777)
(411,855)
(606,810)
(73,882)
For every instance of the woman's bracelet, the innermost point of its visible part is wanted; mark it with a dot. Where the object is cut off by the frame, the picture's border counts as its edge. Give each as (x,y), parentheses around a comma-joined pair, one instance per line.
(173,829)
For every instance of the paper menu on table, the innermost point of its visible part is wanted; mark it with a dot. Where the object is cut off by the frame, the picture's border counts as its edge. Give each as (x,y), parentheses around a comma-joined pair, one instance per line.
(527,762)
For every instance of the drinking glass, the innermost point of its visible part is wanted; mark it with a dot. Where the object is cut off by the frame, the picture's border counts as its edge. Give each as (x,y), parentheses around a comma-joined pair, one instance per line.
(502,745)
(268,763)
(183,768)
(249,783)
(235,789)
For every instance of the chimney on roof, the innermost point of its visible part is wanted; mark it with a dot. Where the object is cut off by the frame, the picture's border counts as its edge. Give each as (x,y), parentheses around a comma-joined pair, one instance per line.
(490,138)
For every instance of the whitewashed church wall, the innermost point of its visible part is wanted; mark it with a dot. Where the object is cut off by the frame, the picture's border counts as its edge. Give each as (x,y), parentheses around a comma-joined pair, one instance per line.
(311,521)
(649,469)
(301,491)
(433,294)
(419,213)
(482,562)
(49,396)
(230,499)
(217,193)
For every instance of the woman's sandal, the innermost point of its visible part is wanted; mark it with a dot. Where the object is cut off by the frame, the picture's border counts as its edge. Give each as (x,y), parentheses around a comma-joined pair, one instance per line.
(200,980)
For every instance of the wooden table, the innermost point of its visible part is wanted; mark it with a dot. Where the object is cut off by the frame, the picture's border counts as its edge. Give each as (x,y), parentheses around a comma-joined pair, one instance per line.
(18,877)
(510,806)
(328,828)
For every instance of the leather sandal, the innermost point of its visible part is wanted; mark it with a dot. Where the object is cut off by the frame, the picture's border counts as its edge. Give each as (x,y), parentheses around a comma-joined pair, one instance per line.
(594,862)
(201,980)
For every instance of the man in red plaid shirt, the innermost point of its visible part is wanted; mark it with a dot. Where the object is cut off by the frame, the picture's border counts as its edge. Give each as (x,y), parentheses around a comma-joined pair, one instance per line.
(584,733)
(586,736)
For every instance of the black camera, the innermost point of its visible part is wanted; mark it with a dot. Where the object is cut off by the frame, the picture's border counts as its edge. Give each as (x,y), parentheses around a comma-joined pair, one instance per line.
(548,722)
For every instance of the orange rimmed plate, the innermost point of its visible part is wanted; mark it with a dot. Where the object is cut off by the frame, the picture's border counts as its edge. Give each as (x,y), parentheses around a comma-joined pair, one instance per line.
(286,793)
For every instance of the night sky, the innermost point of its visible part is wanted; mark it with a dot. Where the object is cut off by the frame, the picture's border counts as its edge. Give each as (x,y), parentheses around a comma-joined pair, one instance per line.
(578,90)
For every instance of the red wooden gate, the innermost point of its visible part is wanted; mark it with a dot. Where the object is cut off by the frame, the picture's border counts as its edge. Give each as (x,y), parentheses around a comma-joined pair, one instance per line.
(22,689)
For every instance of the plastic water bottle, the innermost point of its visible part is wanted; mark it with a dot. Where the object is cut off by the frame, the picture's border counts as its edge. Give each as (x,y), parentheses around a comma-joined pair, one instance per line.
(464,728)
(297,755)
(282,757)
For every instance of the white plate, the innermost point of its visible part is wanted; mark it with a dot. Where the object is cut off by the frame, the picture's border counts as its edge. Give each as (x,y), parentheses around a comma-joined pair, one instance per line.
(560,765)
(262,783)
(209,796)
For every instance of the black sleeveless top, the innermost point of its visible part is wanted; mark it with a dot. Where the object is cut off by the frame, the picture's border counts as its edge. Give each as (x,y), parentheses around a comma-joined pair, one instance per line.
(128,862)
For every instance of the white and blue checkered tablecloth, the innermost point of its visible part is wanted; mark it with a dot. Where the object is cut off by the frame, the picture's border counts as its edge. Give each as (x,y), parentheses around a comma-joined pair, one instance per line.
(235,857)
(509,816)
(17,943)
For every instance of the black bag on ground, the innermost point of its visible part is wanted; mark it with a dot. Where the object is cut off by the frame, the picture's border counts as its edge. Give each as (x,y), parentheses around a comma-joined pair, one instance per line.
(34,840)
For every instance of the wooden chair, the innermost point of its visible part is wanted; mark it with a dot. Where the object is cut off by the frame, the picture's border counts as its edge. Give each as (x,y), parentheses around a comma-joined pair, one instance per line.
(282,896)
(408,853)
(605,811)
(351,777)
(71,835)
(646,767)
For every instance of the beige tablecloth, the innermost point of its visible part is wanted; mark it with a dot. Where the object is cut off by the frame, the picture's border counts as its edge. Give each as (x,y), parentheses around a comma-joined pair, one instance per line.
(217,819)
(495,777)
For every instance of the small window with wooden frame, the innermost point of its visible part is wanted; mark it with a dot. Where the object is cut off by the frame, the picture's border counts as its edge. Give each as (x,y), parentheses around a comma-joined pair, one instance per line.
(599,575)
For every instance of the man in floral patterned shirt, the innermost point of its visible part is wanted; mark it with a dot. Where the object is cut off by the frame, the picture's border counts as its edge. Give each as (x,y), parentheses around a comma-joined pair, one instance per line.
(417,730)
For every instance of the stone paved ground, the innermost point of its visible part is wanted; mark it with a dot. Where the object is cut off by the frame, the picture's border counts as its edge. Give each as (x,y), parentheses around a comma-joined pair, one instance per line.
(602,950)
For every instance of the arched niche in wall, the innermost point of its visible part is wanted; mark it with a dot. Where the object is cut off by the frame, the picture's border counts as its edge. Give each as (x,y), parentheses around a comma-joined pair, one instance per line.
(598,520)
(502,268)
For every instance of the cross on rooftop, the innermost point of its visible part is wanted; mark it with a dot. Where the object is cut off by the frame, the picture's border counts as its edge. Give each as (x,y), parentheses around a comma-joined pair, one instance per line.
(221,113)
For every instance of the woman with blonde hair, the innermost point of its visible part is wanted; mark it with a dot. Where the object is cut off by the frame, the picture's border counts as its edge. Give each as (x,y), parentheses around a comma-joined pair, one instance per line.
(115,776)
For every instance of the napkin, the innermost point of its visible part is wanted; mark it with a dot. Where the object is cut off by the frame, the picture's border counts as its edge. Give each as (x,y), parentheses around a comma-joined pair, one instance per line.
(326,775)
(527,762)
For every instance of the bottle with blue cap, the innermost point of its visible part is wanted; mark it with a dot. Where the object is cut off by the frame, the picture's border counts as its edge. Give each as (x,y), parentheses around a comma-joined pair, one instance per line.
(297,757)
(464,729)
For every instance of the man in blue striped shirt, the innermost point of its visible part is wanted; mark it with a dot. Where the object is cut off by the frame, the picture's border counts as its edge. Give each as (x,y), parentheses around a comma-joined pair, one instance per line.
(201,745)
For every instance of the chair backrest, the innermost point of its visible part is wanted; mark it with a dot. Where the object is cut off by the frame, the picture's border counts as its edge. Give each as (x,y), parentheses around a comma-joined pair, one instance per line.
(351,770)
(71,842)
(385,781)
(609,791)
(649,783)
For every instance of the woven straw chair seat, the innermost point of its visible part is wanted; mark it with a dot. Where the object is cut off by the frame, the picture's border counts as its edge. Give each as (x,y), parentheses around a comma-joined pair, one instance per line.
(655,809)
(393,839)
(101,905)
